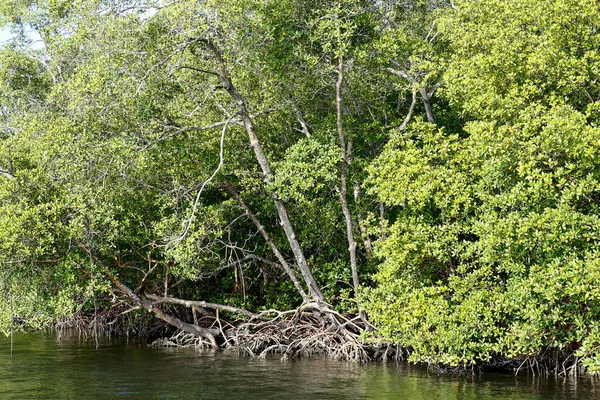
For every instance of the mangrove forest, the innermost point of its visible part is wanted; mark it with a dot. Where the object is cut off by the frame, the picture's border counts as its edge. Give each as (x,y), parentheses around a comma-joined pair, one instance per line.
(360,179)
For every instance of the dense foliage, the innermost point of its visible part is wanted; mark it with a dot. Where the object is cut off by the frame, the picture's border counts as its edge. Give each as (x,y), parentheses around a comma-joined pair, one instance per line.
(432,163)
(493,250)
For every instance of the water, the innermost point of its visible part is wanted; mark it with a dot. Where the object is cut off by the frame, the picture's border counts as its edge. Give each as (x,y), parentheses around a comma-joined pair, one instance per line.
(46,367)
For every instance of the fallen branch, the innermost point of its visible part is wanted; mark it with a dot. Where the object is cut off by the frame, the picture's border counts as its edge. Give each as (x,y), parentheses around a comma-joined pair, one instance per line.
(204,304)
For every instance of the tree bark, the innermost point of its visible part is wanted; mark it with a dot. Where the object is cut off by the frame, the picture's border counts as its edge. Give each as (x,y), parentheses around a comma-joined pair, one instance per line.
(427,103)
(411,110)
(363,229)
(201,304)
(265,166)
(339,102)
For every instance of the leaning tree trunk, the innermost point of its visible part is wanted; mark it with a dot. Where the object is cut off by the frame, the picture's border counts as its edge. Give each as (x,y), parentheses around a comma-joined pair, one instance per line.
(141,302)
(286,267)
(339,101)
(265,166)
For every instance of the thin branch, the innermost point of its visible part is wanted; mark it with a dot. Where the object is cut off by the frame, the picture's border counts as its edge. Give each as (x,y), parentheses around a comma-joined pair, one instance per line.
(144,184)
(187,129)
(202,71)
(193,128)
(302,122)
(161,63)
(433,90)
(44,64)
(430,32)
(402,74)
(263,260)
(188,223)
(410,111)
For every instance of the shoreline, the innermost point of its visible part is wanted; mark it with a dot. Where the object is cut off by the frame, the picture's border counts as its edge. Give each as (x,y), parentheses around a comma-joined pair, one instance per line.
(291,339)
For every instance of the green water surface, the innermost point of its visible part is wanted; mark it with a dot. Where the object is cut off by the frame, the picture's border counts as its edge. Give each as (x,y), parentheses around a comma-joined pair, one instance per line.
(45,366)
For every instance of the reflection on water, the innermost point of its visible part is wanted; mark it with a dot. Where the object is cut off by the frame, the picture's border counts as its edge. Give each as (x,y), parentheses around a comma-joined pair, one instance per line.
(46,367)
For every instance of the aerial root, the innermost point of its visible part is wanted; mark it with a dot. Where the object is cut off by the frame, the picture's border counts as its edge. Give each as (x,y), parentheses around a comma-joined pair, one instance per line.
(106,323)
(182,339)
(293,334)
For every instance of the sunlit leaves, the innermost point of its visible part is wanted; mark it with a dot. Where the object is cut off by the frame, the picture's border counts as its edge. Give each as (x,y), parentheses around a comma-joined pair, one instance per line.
(492,250)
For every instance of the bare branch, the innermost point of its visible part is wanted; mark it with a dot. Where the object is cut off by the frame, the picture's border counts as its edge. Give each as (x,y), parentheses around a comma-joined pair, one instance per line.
(434,89)
(402,74)
(164,61)
(410,111)
(430,32)
(143,303)
(286,267)
(186,129)
(181,130)
(263,260)
(302,122)
(6,174)
(188,223)
(202,71)
(192,303)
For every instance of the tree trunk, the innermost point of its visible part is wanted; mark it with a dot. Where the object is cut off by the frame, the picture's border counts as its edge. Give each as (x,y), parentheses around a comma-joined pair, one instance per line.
(263,161)
(339,102)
